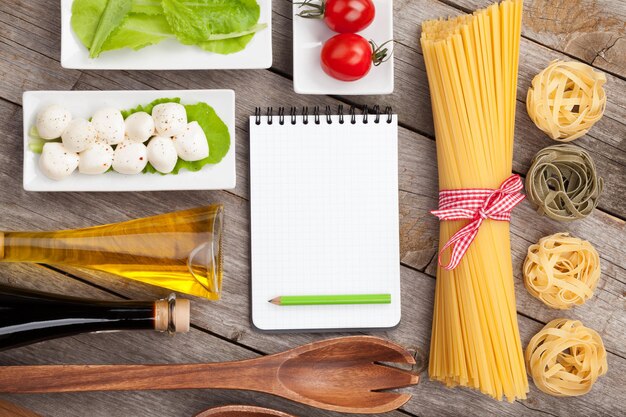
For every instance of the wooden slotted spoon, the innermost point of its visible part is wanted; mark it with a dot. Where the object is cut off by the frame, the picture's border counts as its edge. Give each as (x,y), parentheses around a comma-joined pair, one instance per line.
(345,374)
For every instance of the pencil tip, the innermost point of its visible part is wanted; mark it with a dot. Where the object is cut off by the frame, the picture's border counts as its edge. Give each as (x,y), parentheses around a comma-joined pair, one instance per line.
(275,300)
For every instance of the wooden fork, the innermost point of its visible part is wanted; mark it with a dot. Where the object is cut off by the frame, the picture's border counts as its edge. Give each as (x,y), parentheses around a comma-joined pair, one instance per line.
(345,374)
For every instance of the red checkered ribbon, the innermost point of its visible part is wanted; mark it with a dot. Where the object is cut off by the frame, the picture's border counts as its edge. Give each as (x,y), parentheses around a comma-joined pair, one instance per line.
(476,204)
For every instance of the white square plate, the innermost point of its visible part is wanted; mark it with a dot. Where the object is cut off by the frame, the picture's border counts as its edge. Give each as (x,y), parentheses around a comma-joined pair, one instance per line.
(85,103)
(169,54)
(308,37)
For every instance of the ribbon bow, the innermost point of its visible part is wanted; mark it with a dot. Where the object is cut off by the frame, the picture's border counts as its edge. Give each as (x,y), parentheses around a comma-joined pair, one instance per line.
(476,204)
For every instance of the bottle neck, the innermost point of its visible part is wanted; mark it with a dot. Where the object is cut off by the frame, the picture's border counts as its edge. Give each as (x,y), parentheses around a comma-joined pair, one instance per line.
(28,316)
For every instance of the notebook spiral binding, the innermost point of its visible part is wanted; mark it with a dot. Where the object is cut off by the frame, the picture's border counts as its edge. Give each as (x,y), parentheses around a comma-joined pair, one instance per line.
(352,115)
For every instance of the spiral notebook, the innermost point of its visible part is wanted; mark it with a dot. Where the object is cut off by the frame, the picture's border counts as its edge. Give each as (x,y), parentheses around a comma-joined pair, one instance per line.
(324,216)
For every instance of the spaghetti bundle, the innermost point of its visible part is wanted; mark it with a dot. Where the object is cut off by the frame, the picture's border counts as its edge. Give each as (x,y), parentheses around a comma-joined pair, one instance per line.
(471,62)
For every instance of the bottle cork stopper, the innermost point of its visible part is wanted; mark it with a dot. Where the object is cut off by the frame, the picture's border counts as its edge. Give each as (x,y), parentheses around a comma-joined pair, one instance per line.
(172,315)
(181,315)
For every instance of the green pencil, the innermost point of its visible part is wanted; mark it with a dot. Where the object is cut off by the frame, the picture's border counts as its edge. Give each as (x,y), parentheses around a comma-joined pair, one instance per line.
(308,300)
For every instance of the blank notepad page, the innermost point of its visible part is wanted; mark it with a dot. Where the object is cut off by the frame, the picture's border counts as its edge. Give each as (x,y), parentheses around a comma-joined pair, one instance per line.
(324,220)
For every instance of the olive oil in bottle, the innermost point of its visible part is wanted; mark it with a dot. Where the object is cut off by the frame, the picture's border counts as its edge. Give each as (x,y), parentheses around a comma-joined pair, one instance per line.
(28,316)
(180,251)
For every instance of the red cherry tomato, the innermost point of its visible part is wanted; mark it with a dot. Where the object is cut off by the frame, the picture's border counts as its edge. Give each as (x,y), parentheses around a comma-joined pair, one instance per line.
(348,16)
(343,16)
(347,57)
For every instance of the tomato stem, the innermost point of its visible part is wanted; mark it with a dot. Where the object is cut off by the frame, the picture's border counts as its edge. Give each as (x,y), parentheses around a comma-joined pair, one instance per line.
(380,53)
(316,10)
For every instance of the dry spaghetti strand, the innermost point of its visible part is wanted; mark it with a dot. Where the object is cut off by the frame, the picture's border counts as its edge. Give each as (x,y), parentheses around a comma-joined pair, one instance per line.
(472,62)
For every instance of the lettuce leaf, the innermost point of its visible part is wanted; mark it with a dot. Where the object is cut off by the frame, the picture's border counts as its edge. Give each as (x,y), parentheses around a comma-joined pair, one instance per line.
(138,31)
(144,25)
(149,7)
(85,19)
(230,43)
(112,17)
(219,26)
(214,128)
(227,46)
(193,21)
(35,142)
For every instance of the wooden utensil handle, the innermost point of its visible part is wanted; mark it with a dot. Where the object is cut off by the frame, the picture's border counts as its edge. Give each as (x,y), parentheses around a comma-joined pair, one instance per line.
(71,378)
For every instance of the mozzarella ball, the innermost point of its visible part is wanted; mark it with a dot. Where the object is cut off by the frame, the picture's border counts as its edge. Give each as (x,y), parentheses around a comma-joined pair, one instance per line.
(97,159)
(191,144)
(162,154)
(139,127)
(109,125)
(52,121)
(57,162)
(79,135)
(170,119)
(130,157)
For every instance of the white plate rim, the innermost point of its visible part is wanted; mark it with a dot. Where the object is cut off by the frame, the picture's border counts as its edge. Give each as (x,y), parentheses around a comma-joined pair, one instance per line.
(360,87)
(249,56)
(140,182)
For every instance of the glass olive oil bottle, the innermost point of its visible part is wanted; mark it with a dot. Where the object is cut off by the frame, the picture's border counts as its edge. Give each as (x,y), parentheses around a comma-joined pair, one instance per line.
(180,251)
(28,316)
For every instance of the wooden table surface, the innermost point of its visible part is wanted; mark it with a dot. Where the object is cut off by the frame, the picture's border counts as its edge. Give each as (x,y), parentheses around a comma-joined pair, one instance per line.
(592,31)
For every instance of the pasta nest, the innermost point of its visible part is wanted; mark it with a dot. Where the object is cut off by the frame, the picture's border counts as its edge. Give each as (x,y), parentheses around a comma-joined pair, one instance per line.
(562,270)
(563,183)
(566,99)
(566,358)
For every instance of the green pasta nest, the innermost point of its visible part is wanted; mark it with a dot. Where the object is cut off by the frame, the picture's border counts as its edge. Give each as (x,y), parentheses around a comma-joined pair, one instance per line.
(563,183)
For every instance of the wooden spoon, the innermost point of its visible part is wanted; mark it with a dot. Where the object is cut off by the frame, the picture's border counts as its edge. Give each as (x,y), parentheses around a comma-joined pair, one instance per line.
(344,374)
(242,411)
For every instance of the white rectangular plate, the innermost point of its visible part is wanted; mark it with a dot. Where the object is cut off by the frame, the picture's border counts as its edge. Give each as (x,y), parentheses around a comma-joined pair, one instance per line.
(309,36)
(169,54)
(85,103)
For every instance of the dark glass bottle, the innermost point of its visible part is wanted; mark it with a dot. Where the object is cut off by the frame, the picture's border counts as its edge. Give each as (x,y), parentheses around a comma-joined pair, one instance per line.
(28,316)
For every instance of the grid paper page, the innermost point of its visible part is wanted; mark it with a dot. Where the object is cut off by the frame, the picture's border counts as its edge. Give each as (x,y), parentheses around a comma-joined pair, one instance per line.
(324,220)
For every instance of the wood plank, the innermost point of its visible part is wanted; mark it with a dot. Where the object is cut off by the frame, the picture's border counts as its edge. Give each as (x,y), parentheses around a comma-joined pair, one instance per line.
(30,49)
(594,31)
(22,23)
